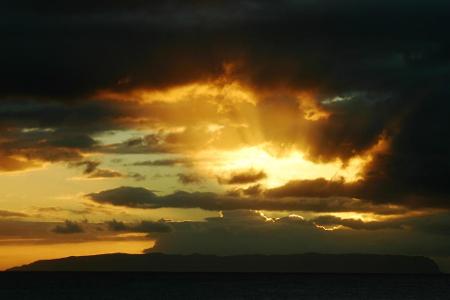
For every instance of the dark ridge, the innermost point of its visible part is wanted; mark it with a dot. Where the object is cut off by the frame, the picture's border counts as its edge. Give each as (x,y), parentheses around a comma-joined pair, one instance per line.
(297,263)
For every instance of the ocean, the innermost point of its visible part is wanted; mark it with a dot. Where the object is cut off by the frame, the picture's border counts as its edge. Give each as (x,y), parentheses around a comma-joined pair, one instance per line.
(142,285)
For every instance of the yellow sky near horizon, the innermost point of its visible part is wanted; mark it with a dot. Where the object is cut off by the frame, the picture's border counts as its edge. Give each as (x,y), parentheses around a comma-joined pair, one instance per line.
(12,255)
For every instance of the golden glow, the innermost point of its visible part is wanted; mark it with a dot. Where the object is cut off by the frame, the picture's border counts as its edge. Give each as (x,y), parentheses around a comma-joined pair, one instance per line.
(237,140)
(18,164)
(365,217)
(373,217)
(280,169)
(294,216)
(311,110)
(328,228)
(131,234)
(266,218)
(230,92)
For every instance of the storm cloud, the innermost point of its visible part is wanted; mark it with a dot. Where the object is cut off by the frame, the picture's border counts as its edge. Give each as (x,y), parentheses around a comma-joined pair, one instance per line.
(247,232)
(297,42)
(376,70)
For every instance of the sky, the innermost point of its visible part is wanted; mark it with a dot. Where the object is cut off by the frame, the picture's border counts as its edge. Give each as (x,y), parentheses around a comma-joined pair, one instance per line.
(224,127)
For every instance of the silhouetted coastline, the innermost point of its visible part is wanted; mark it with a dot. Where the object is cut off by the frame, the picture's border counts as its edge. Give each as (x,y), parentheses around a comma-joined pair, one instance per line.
(296,263)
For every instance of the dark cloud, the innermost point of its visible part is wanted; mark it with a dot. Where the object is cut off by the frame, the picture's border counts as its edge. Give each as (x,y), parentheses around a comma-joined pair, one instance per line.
(246,232)
(136,176)
(125,196)
(388,179)
(103,173)
(189,178)
(89,165)
(313,188)
(8,214)
(30,233)
(75,118)
(161,162)
(143,226)
(24,148)
(253,190)
(249,176)
(152,143)
(92,170)
(114,225)
(437,224)
(38,131)
(356,223)
(55,209)
(69,227)
(143,198)
(296,42)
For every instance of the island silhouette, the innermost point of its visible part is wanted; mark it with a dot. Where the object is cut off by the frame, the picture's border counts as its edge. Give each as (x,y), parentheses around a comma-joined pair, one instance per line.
(295,263)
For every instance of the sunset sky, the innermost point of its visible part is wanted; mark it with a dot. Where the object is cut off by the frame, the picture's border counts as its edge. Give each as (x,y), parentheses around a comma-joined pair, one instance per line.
(224,127)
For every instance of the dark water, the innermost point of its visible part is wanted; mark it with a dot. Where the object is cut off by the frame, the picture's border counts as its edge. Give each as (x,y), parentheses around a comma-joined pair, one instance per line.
(221,286)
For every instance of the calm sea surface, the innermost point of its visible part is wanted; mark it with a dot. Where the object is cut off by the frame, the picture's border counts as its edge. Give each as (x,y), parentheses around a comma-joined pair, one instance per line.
(221,286)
